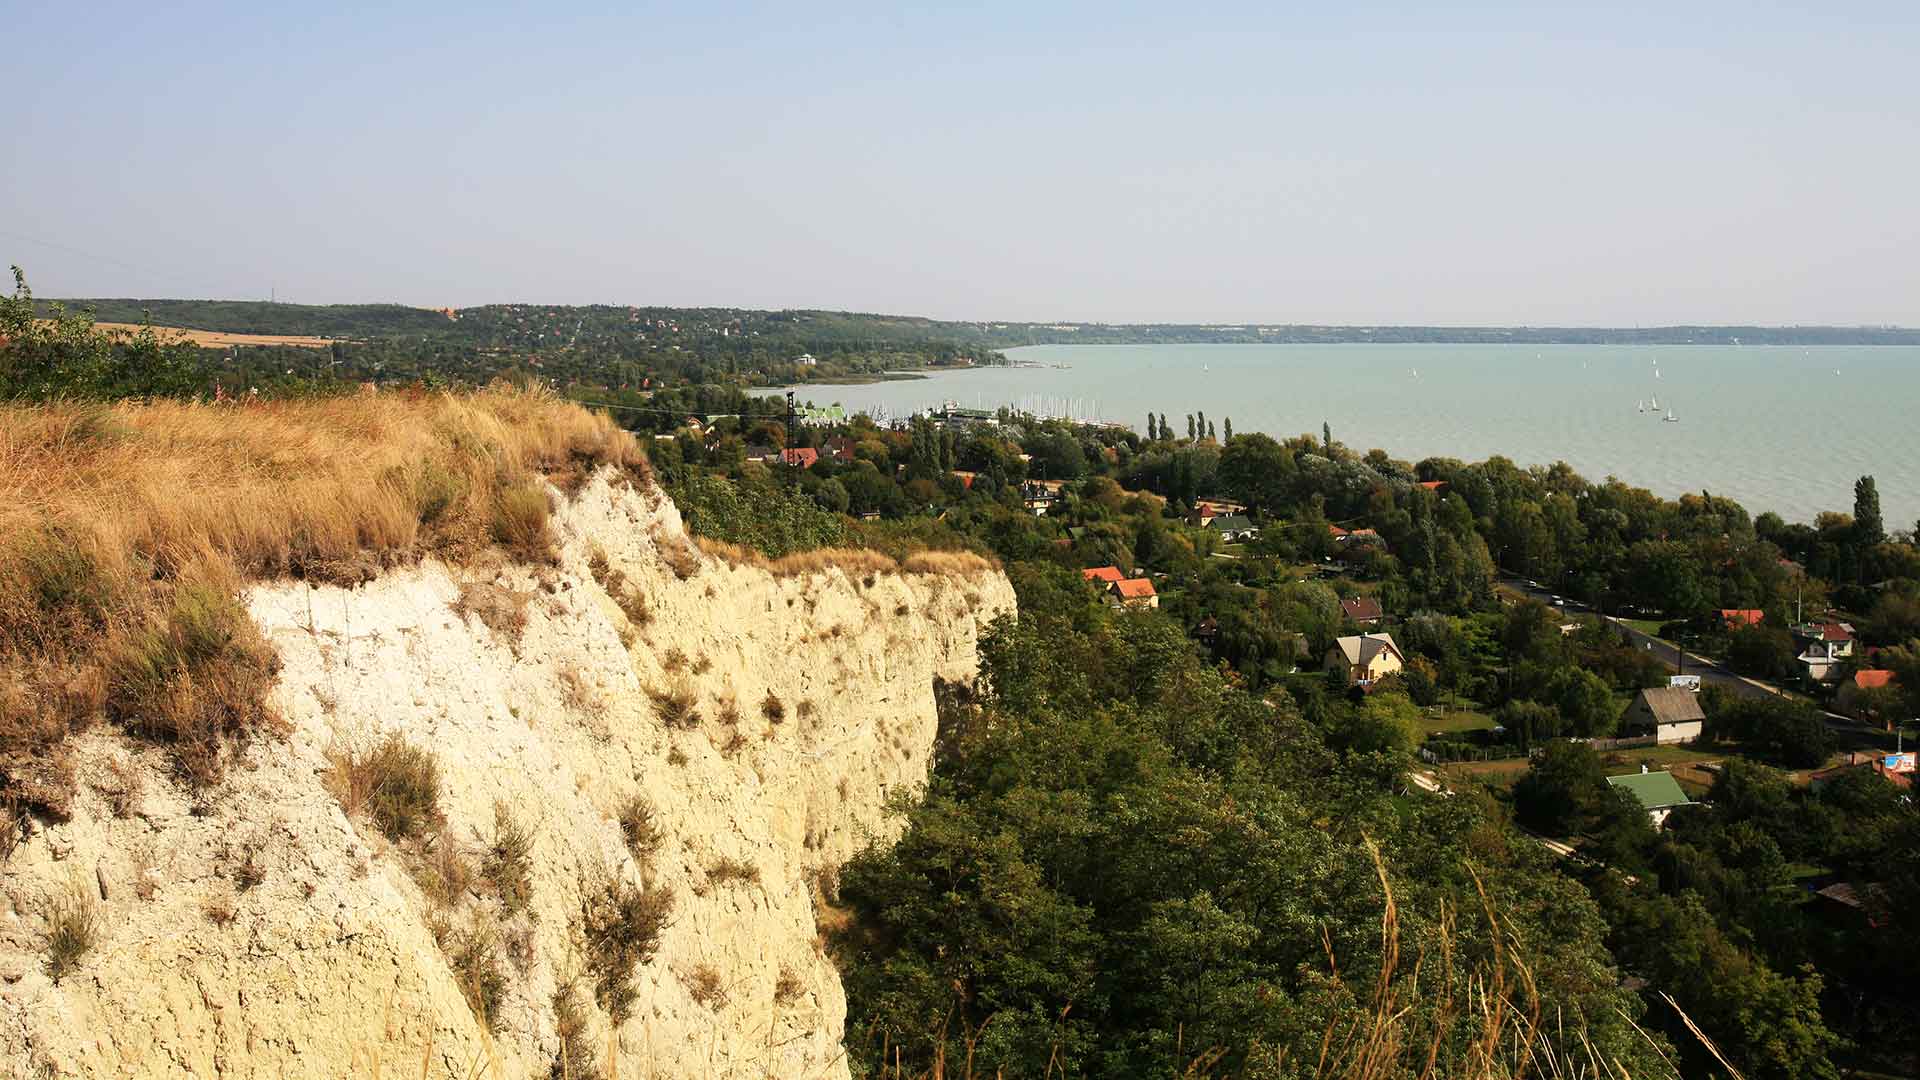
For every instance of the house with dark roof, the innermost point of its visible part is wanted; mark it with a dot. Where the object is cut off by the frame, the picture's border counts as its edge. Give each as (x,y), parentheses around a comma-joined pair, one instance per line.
(1658,793)
(1231,527)
(840,448)
(1364,610)
(1670,713)
(1364,658)
(1133,593)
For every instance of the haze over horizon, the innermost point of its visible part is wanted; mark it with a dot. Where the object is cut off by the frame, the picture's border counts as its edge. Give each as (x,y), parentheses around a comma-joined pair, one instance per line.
(1479,165)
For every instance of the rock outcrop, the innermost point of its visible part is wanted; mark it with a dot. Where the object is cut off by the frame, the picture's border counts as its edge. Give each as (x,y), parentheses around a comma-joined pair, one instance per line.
(258,930)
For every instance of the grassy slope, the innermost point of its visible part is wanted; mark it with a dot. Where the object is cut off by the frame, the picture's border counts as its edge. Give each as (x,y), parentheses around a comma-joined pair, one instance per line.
(126,533)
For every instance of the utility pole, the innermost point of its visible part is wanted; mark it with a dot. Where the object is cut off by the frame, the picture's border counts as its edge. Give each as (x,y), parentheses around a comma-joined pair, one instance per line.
(787,456)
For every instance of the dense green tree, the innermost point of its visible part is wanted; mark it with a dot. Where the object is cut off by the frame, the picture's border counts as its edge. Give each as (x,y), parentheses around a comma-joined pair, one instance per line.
(1868,529)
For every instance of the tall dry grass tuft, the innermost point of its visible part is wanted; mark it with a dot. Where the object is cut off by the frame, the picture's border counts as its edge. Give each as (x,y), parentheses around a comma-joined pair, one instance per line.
(126,532)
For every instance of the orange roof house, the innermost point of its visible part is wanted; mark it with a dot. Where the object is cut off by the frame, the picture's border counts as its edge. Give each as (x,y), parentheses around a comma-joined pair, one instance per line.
(1735,618)
(1872,680)
(1110,575)
(1134,592)
(803,456)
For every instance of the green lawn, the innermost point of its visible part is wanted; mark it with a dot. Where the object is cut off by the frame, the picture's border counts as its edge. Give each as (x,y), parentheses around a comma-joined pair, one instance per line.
(1649,627)
(1453,718)
(1622,762)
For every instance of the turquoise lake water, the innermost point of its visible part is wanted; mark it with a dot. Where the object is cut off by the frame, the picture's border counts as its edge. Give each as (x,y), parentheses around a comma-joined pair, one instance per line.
(1786,429)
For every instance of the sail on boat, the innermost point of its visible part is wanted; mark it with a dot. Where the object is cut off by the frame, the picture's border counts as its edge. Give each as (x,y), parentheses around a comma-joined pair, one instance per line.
(1672,419)
(1656,403)
(1640,406)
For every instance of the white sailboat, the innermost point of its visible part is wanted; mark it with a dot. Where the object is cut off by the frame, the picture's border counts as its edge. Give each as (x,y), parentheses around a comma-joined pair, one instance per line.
(1640,406)
(1656,403)
(1672,419)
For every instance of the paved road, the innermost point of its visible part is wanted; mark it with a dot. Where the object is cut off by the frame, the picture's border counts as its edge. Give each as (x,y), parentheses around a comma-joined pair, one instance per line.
(1670,654)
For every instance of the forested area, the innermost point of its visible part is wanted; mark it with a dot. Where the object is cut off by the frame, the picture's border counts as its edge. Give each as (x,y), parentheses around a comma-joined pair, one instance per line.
(1220,688)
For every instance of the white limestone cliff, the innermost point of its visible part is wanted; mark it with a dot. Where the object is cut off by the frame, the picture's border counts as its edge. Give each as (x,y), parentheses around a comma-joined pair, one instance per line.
(258,931)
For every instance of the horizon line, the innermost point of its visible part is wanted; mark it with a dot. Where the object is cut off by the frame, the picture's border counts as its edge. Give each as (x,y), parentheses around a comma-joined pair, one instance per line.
(1241,324)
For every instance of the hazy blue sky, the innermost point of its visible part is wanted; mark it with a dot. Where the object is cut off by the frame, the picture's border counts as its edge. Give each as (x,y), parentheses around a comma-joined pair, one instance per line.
(1418,163)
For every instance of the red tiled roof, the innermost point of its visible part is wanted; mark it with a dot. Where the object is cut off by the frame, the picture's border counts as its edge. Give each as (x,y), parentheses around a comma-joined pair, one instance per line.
(1872,680)
(1433,485)
(803,456)
(1335,530)
(1134,589)
(1834,631)
(1108,574)
(1742,616)
(1361,608)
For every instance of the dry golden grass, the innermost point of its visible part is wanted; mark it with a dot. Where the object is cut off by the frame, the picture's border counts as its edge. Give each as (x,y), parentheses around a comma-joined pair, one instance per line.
(855,563)
(957,563)
(127,532)
(215,339)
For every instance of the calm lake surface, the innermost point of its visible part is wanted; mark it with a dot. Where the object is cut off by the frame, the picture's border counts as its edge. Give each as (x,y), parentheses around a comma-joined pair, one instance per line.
(1786,429)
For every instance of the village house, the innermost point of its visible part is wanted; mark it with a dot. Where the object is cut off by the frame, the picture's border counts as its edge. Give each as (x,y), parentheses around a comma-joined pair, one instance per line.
(1856,697)
(1671,714)
(1823,645)
(802,456)
(1658,793)
(1133,593)
(840,448)
(1363,610)
(1039,496)
(1105,575)
(1364,659)
(1231,527)
(1740,618)
(806,360)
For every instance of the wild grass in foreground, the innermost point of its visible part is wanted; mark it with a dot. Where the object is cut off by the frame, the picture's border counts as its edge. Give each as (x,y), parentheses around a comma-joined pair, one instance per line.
(1412,1024)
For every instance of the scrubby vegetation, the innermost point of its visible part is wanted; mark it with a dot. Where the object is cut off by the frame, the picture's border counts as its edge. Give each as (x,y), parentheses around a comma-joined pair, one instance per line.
(638,829)
(509,860)
(73,926)
(474,955)
(677,703)
(394,783)
(620,926)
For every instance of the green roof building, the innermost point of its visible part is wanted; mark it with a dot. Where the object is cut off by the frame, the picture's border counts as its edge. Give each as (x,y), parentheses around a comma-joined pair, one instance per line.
(1656,792)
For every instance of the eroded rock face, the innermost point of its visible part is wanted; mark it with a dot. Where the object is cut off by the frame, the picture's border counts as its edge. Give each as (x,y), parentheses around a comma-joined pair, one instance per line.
(261,932)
